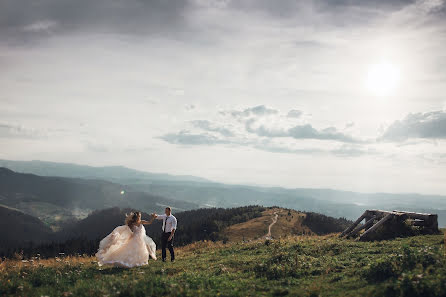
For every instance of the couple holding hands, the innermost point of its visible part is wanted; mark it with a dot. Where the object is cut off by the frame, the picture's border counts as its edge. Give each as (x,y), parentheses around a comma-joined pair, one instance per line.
(129,246)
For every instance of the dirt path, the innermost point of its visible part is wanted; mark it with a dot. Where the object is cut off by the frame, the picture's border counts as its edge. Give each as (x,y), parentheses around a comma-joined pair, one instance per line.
(268,235)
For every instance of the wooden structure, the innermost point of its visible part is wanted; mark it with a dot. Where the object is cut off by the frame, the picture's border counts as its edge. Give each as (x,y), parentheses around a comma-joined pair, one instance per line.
(376,218)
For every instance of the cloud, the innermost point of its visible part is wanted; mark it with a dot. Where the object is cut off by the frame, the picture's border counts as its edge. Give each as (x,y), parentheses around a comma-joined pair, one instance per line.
(189,107)
(208,126)
(429,125)
(249,127)
(289,8)
(18,131)
(45,25)
(260,110)
(330,133)
(193,139)
(294,113)
(187,138)
(19,17)
(178,18)
(347,150)
(349,125)
(306,131)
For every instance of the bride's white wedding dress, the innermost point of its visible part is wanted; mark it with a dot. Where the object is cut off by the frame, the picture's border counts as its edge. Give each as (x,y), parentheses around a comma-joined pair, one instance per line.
(125,248)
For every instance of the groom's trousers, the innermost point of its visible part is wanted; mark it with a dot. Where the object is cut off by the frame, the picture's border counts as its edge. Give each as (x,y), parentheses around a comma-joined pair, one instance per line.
(166,243)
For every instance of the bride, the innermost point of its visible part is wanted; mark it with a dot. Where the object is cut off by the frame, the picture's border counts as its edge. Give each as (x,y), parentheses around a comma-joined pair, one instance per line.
(128,245)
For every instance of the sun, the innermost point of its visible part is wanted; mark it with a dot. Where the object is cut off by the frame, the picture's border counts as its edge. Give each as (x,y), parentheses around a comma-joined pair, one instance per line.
(382,79)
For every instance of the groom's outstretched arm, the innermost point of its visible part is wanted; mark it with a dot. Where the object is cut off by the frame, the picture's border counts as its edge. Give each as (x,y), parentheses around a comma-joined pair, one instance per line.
(159,217)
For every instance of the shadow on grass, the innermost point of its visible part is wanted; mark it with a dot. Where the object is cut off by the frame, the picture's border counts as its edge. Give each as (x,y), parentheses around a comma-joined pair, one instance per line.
(112,270)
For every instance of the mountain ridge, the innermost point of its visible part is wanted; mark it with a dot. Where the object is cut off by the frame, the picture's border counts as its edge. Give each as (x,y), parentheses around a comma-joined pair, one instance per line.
(47,168)
(331,202)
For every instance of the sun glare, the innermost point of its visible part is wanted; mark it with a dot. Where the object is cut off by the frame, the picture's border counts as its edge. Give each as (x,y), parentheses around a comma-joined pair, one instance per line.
(382,79)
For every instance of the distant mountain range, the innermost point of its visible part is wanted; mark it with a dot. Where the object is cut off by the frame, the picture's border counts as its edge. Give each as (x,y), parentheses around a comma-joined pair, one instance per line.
(333,203)
(59,200)
(113,173)
(205,193)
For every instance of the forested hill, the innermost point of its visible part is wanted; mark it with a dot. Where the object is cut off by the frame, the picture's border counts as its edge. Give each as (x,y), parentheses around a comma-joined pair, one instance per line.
(193,225)
(18,229)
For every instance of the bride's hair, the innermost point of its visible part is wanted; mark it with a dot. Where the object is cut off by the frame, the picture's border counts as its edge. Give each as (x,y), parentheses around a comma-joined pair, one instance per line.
(132,218)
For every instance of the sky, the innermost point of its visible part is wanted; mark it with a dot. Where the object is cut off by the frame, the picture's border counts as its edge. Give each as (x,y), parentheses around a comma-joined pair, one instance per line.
(324,94)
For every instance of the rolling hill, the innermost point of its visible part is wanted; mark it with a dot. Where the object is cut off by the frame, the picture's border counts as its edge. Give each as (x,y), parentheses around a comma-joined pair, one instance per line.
(276,222)
(227,224)
(215,224)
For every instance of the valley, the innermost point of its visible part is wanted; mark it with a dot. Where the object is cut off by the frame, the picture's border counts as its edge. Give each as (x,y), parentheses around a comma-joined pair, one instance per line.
(200,192)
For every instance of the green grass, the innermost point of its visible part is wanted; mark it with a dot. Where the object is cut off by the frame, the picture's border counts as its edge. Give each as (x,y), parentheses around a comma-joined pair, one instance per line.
(297,266)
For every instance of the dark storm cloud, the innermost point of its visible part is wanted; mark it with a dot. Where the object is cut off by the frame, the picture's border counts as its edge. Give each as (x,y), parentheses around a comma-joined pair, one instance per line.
(22,19)
(429,125)
(289,8)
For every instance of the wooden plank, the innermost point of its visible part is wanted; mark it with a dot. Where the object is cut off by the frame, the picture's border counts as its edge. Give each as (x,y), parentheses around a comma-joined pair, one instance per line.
(368,218)
(418,222)
(417,215)
(360,227)
(346,231)
(374,227)
(378,213)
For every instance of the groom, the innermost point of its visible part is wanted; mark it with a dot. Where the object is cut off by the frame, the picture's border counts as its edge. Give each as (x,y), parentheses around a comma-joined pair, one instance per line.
(169,227)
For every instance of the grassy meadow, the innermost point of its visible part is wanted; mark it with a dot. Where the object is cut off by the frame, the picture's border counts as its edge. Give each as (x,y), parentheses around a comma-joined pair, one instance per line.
(297,266)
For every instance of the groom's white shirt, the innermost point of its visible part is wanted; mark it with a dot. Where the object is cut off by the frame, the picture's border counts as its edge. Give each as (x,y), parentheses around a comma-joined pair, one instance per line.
(169,221)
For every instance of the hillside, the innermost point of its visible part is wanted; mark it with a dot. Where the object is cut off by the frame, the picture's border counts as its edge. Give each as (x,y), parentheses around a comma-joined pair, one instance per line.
(277,223)
(83,236)
(58,200)
(18,228)
(193,225)
(215,224)
(293,266)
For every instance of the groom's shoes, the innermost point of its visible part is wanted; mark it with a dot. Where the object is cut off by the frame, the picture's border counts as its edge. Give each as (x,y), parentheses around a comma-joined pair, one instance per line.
(164,260)
(172,260)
